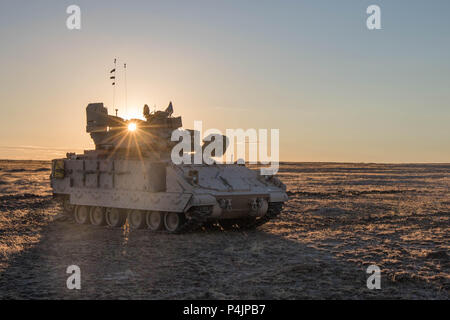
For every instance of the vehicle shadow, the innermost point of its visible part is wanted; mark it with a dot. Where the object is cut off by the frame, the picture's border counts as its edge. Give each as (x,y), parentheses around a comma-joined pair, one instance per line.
(206,264)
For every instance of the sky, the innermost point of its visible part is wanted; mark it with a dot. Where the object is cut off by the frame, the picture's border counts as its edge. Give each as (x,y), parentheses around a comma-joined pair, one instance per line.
(336,90)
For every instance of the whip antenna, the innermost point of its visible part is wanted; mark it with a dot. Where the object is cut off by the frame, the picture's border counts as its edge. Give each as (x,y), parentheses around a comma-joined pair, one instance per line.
(125,78)
(113,78)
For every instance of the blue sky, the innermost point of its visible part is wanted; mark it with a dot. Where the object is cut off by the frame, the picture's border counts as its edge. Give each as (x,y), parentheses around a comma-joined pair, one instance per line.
(336,90)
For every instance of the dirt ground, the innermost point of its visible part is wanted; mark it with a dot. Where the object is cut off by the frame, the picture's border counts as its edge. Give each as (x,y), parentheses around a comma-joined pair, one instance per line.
(340,219)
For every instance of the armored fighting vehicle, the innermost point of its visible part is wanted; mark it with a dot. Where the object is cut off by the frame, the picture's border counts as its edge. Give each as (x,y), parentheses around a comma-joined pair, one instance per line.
(130,177)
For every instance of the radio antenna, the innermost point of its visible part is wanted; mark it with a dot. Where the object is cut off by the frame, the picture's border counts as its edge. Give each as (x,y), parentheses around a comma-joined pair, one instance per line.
(125,79)
(113,78)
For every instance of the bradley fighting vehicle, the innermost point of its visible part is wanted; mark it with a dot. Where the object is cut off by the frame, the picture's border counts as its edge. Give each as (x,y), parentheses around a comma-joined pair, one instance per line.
(130,177)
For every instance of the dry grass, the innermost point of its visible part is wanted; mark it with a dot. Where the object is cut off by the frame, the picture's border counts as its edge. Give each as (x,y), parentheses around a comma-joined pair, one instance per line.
(340,219)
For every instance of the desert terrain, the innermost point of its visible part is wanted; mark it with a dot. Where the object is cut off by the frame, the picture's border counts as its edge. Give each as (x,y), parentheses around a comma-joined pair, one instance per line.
(340,219)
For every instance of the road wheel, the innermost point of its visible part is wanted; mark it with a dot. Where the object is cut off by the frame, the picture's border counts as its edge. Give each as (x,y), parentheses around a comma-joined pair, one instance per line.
(155,220)
(82,214)
(173,221)
(115,217)
(97,215)
(136,219)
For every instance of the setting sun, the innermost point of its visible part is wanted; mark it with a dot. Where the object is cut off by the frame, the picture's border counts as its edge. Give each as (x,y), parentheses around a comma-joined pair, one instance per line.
(132,126)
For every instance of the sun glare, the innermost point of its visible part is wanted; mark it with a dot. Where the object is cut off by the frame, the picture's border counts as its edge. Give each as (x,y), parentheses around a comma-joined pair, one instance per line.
(132,126)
